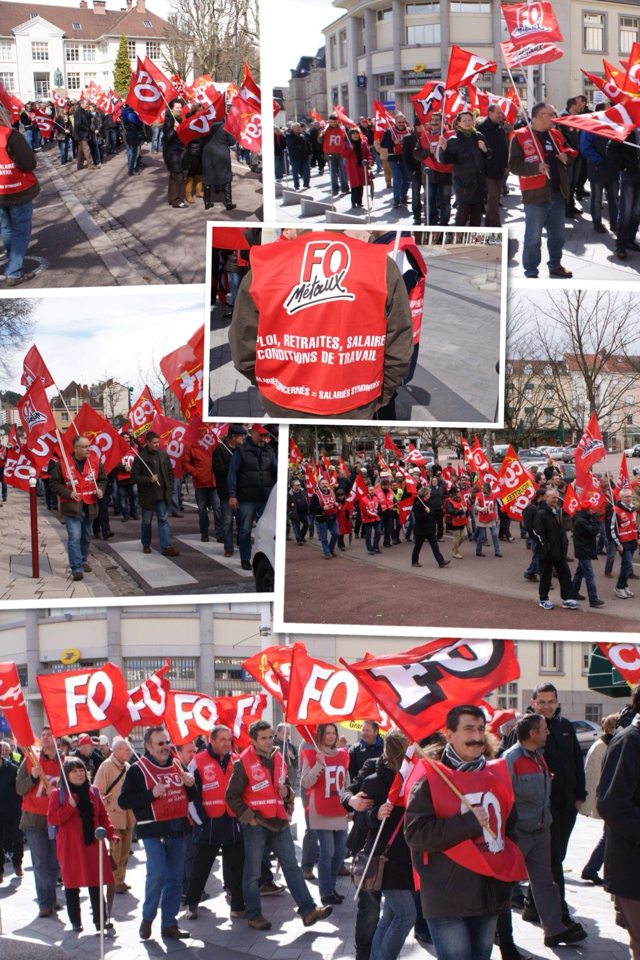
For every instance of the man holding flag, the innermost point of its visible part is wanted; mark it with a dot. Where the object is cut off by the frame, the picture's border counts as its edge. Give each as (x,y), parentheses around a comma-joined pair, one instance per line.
(624,532)
(18,190)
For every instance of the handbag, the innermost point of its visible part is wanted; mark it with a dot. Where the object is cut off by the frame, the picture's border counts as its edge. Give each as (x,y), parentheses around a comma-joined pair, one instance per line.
(373,878)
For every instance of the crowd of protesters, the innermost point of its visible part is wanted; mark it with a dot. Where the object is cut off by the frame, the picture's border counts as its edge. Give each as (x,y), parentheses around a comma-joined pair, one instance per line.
(463,510)
(452,877)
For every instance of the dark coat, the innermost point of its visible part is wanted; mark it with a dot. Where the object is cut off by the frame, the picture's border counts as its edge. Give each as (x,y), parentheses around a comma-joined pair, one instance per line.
(551,539)
(220,460)
(623,158)
(398,873)
(586,529)
(496,140)
(594,149)
(359,830)
(298,146)
(81,125)
(133,127)
(529,515)
(141,476)
(174,151)
(216,158)
(360,752)
(426,523)
(618,804)
(565,761)
(10,801)
(297,505)
(469,163)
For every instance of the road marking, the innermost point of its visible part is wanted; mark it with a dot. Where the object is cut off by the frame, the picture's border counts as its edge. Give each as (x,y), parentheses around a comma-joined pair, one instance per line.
(214,550)
(157,571)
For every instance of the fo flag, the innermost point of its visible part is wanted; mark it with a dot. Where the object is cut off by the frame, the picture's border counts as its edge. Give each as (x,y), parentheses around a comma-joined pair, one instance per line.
(147,702)
(623,477)
(107,444)
(382,119)
(34,368)
(14,707)
(429,100)
(404,508)
(418,688)
(45,123)
(466,67)
(358,490)
(174,440)
(591,447)
(183,369)
(18,465)
(294,452)
(625,657)
(149,91)
(320,692)
(571,501)
(530,23)
(85,699)
(142,412)
(516,487)
(271,668)
(530,54)
(390,445)
(199,124)
(35,413)
(189,715)
(616,123)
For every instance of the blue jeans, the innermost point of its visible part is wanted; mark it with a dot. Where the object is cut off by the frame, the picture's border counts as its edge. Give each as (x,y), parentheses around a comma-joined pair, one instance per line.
(338,173)
(611,189)
(327,528)
(372,534)
(483,537)
(45,866)
(3,484)
(626,568)
(596,859)
(279,167)
(163,883)
(175,499)
(584,570)
(157,136)
(534,566)
(30,135)
(367,917)
(629,212)
(164,533)
(310,847)
(439,203)
(398,917)
(255,841)
(300,168)
(63,146)
(248,511)
(538,216)
(399,180)
(208,497)
(15,226)
(226,514)
(78,538)
(234,285)
(133,156)
(612,553)
(463,938)
(111,136)
(333,846)
(128,499)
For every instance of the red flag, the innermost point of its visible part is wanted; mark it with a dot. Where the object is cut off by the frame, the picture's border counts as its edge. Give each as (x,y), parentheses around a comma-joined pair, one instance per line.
(320,692)
(85,699)
(382,119)
(271,668)
(404,508)
(410,484)
(529,55)
(610,88)
(484,469)
(571,501)
(238,713)
(184,90)
(183,369)
(414,456)
(482,100)
(19,464)
(516,488)
(204,435)
(591,447)
(429,100)
(33,368)
(142,412)
(45,123)
(454,103)
(623,478)
(189,715)
(10,103)
(174,440)
(199,124)
(108,445)
(342,117)
(358,490)
(396,794)
(466,451)
(631,81)
(316,116)
(244,122)
(418,687)
(14,706)
(35,413)
(43,449)
(310,480)
(531,23)
(294,453)
(145,95)
(466,67)
(146,703)
(625,657)
(107,102)
(390,445)
(616,123)
(592,494)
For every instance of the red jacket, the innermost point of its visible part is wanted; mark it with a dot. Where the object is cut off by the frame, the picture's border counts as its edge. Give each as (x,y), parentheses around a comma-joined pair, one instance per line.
(79,863)
(355,173)
(197,463)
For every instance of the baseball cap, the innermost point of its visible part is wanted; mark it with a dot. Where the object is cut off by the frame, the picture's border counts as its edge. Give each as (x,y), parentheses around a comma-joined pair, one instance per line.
(235,430)
(85,740)
(103,741)
(259,428)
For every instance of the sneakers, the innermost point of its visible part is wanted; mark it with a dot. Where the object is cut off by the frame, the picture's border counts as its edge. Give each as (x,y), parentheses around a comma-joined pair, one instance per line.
(571,604)
(546,604)
(573,935)
(622,594)
(318,913)
(628,592)
(260,923)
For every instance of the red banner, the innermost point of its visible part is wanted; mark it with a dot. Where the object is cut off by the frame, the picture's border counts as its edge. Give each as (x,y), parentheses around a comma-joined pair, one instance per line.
(35,413)
(591,447)
(358,490)
(529,55)
(174,440)
(382,119)
(429,100)
(85,699)
(34,368)
(183,369)
(482,100)
(142,412)
(616,123)
(14,706)
(320,692)
(623,477)
(189,715)
(516,488)
(199,124)
(294,452)
(244,122)
(417,688)
(43,449)
(625,657)
(271,668)
(148,90)
(530,23)
(415,457)
(571,501)
(610,88)
(19,464)
(107,444)
(404,508)
(466,67)
(45,123)
(390,445)
(146,703)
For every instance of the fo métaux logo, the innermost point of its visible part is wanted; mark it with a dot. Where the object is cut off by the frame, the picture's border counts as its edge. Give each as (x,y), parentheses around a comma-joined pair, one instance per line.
(325,265)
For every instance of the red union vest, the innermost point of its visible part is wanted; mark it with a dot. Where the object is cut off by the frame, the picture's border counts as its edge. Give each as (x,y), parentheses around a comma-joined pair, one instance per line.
(385,499)
(322,326)
(215,781)
(627,526)
(261,793)
(37,800)
(333,139)
(457,505)
(174,805)
(123,470)
(327,502)
(491,788)
(486,508)
(369,509)
(12,180)
(330,784)
(85,482)
(425,143)
(532,150)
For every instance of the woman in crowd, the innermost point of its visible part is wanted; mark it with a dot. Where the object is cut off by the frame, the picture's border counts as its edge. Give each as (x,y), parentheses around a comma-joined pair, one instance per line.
(593,770)
(174,154)
(193,185)
(425,528)
(457,518)
(216,164)
(358,160)
(76,815)
(344,517)
(62,134)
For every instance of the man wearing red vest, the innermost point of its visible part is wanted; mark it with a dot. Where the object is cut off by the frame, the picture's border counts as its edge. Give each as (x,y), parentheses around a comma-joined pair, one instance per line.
(197,464)
(127,489)
(486,512)
(440,175)
(35,803)
(322,326)
(261,797)
(158,789)
(624,531)
(18,190)
(467,860)
(332,140)
(540,157)
(79,482)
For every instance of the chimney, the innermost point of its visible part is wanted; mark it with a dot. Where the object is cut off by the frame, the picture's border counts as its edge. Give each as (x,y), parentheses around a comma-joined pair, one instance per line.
(129,6)
(99,6)
(141,6)
(83,4)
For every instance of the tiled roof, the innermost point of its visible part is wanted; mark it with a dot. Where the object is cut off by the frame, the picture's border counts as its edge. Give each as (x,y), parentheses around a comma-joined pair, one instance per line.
(93,25)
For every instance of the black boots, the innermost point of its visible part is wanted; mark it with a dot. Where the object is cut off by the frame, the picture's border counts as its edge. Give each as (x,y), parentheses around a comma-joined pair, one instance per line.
(207,197)
(226,191)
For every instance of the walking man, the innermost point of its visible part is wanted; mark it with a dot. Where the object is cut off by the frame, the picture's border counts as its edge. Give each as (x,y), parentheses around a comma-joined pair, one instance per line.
(153,474)
(252,476)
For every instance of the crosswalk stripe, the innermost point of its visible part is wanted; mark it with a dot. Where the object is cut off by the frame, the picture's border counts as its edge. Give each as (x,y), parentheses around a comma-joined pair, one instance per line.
(157,571)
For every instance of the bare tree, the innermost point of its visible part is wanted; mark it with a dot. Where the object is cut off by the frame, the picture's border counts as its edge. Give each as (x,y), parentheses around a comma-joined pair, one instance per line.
(16,327)
(214,37)
(529,381)
(112,401)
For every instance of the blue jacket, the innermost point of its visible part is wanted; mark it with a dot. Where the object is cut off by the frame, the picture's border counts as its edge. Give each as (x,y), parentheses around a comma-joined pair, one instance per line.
(593,148)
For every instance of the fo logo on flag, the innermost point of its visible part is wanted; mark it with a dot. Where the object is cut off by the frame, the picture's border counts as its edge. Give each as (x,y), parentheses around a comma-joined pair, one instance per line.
(324,267)
(31,416)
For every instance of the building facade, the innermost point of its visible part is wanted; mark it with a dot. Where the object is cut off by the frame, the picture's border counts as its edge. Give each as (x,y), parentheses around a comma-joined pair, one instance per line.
(387,49)
(110,399)
(63,48)
(308,87)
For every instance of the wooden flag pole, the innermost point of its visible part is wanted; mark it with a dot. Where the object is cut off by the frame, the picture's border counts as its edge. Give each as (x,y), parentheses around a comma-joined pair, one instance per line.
(461,797)
(34,761)
(366,868)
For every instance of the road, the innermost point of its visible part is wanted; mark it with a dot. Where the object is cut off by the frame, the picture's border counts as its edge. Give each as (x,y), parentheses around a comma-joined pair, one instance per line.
(455,379)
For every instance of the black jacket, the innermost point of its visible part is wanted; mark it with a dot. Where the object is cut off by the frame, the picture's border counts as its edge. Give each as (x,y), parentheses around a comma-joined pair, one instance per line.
(10,801)
(551,540)
(398,873)
(147,491)
(586,529)
(359,830)
(174,151)
(529,515)
(216,156)
(496,139)
(297,505)
(220,460)
(625,159)
(92,762)
(213,830)
(618,804)
(436,500)
(360,752)
(255,471)
(135,796)
(409,144)
(426,524)
(564,759)
(81,125)
(469,164)
(298,146)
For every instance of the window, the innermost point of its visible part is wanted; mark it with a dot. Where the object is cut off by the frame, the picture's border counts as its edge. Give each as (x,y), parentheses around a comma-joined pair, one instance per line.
(183,673)
(131,49)
(8,82)
(76,26)
(55,666)
(629,399)
(548,394)
(343,48)
(628,33)
(153,49)
(593,32)
(630,420)
(147,23)
(65,416)
(73,81)
(528,369)
(550,656)
(548,418)
(386,14)
(593,712)
(231,679)
(32,16)
(414,9)
(40,51)
(334,94)
(586,657)
(6,50)
(344,98)
(423,33)
(73,53)
(41,85)
(88,52)
(470,6)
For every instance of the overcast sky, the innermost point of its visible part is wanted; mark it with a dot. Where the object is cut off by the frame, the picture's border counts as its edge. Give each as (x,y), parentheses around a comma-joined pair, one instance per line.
(83,337)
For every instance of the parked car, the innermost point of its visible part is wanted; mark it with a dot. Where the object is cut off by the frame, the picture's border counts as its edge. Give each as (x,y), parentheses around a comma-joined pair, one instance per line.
(555,453)
(569,453)
(587,733)
(263,559)
(633,451)
(636,471)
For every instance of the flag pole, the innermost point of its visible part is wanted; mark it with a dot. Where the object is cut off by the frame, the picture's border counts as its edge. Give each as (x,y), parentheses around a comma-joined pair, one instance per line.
(66,462)
(526,118)
(34,762)
(375,844)
(64,776)
(72,420)
(461,797)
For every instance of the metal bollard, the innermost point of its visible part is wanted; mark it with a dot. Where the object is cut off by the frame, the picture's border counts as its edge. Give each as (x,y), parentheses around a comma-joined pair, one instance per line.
(100,835)
(33,506)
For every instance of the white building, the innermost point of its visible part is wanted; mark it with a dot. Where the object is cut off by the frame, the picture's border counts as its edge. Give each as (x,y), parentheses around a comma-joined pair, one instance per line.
(9,415)
(64,48)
